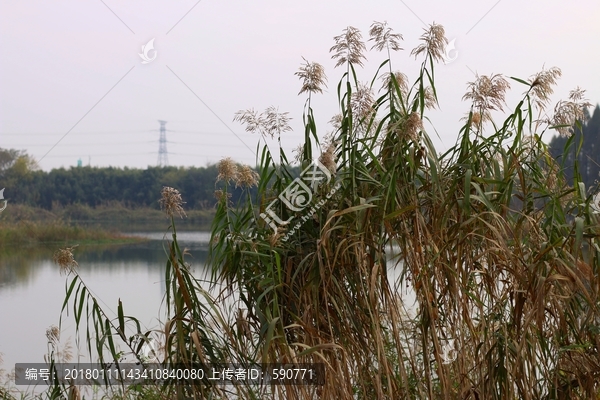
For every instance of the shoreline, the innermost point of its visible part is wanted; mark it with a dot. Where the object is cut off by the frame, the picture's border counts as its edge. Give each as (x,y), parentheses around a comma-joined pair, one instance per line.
(29,234)
(22,225)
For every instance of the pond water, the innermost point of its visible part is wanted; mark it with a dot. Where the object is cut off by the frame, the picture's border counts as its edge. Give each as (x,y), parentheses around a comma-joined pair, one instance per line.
(32,289)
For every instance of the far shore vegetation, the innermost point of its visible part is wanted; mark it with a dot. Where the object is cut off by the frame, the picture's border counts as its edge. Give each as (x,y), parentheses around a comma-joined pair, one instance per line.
(56,232)
(111,223)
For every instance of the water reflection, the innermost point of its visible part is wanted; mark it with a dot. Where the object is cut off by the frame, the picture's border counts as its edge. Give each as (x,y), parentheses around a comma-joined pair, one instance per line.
(20,265)
(32,289)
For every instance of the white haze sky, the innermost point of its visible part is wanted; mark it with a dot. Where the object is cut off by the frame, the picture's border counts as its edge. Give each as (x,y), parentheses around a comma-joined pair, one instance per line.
(72,68)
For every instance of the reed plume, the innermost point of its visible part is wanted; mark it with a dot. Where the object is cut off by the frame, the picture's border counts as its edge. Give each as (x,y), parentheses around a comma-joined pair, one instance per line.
(542,86)
(568,113)
(348,47)
(434,43)
(171,202)
(384,37)
(65,259)
(313,77)
(228,170)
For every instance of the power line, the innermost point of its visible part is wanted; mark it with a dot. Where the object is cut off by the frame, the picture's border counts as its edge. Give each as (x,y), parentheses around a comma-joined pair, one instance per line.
(101,155)
(82,144)
(139,142)
(84,115)
(207,144)
(79,133)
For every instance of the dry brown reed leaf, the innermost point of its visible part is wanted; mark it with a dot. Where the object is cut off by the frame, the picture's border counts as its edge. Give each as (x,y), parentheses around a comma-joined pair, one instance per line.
(348,47)
(171,202)
(198,346)
(384,37)
(434,43)
(64,258)
(313,77)
(74,393)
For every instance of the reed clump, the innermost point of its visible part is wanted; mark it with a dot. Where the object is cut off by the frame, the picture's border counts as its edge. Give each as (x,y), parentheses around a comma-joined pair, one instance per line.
(488,237)
(498,252)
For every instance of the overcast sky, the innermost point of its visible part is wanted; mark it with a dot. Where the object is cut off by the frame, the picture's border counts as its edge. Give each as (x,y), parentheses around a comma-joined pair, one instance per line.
(70,69)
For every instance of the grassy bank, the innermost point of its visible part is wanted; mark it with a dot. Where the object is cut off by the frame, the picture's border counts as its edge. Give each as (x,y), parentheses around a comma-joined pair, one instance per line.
(28,226)
(21,224)
(32,233)
(114,214)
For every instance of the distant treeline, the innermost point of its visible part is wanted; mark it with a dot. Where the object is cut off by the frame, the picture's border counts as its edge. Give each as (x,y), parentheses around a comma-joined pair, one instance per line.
(25,184)
(588,155)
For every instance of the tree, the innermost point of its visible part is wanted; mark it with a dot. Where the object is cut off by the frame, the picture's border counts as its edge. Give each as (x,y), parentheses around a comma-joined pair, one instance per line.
(583,146)
(18,160)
